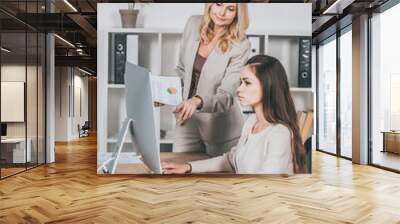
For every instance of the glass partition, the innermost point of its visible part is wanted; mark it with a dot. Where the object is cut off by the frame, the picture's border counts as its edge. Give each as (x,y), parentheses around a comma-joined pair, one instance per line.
(385,89)
(32,96)
(41,87)
(346,94)
(14,154)
(327,96)
(22,64)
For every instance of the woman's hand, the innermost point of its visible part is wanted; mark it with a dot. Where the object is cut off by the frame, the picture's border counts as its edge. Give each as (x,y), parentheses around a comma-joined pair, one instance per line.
(187,108)
(171,168)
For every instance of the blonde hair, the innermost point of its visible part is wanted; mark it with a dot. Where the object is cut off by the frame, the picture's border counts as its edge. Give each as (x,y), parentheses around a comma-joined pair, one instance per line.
(235,32)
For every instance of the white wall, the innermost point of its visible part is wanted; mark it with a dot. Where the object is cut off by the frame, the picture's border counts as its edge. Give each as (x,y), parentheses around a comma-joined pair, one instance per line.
(12,73)
(80,82)
(50,96)
(294,19)
(61,103)
(67,79)
(33,126)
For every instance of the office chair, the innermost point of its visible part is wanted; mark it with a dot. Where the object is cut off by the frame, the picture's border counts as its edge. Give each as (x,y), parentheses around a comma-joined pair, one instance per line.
(84,130)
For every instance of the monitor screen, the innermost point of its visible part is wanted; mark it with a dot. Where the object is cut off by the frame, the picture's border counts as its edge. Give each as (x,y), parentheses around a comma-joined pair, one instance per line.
(3,129)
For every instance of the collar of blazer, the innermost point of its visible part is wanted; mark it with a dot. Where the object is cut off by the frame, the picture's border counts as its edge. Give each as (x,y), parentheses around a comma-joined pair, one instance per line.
(194,50)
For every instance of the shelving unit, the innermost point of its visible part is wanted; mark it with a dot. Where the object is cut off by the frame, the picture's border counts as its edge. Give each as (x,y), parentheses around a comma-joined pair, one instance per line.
(301,90)
(158,51)
(292,89)
(116,86)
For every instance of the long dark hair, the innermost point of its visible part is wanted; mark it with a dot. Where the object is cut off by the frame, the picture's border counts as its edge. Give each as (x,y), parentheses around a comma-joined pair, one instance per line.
(278,104)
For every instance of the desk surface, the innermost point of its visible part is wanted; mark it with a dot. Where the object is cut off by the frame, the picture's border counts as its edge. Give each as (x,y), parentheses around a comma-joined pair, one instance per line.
(13,140)
(390,132)
(178,157)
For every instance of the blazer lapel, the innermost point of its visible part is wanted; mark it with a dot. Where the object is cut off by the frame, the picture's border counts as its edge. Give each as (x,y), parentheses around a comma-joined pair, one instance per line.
(203,72)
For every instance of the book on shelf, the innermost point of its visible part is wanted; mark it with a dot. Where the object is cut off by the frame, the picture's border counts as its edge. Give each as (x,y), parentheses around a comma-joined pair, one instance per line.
(305,121)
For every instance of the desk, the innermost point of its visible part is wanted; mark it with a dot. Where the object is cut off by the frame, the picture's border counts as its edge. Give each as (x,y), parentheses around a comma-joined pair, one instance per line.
(13,150)
(178,157)
(391,141)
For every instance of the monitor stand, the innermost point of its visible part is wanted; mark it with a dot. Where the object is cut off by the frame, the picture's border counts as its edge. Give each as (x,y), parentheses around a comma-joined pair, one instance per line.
(110,165)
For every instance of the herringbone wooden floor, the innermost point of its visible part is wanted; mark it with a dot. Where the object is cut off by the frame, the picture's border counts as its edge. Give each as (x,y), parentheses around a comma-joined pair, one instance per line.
(70,191)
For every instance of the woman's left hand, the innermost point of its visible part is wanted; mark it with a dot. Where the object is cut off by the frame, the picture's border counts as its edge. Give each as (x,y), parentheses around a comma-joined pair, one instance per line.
(175,168)
(187,108)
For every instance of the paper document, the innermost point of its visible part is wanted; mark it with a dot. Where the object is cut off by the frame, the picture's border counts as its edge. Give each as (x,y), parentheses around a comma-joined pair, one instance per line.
(166,89)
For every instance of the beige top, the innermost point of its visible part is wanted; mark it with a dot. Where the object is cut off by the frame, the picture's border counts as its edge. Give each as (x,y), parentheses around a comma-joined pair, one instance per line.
(198,65)
(266,152)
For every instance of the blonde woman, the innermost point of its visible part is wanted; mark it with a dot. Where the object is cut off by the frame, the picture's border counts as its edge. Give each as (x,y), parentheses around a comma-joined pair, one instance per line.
(213,51)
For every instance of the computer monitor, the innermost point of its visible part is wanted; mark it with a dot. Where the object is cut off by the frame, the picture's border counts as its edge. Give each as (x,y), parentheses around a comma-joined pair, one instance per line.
(140,110)
(3,130)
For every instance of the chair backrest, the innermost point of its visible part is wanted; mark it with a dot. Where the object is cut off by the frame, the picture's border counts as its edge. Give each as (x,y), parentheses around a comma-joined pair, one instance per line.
(86,125)
(308,149)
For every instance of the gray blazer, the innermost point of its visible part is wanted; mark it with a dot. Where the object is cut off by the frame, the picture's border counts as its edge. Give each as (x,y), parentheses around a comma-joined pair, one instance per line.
(220,118)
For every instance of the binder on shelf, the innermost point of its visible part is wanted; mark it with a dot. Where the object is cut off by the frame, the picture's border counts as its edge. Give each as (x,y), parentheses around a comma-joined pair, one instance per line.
(123,48)
(304,76)
(257,45)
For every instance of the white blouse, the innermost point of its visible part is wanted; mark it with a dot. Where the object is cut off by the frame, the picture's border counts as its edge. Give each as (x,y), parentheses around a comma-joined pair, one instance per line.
(265,152)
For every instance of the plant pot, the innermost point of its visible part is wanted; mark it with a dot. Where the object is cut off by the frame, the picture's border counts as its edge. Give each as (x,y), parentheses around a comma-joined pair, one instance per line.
(128,17)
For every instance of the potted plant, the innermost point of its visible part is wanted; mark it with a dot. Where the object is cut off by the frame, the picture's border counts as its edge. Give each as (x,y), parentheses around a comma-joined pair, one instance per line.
(129,16)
